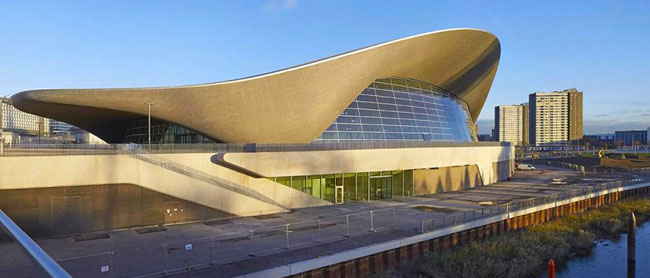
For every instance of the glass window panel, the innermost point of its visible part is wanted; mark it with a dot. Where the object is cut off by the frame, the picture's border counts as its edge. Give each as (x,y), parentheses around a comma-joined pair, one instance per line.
(385,93)
(367,105)
(314,185)
(388,114)
(332,127)
(391,121)
(402,95)
(417,103)
(367,98)
(348,120)
(421,117)
(299,183)
(404,115)
(388,100)
(412,136)
(387,107)
(330,135)
(416,96)
(350,135)
(422,123)
(409,129)
(328,187)
(398,81)
(372,128)
(408,183)
(349,127)
(407,122)
(402,108)
(404,102)
(373,136)
(393,136)
(362,186)
(370,120)
(412,83)
(368,91)
(351,111)
(350,187)
(392,128)
(370,113)
(286,181)
(397,88)
(398,184)
(385,87)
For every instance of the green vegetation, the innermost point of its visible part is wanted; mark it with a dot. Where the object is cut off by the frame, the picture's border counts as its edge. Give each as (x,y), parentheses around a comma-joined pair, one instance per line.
(525,253)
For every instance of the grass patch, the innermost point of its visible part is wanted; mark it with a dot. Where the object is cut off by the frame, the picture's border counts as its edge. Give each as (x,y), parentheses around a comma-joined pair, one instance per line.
(525,253)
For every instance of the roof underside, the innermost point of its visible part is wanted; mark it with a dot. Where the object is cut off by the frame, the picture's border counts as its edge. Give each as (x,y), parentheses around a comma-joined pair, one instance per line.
(294,105)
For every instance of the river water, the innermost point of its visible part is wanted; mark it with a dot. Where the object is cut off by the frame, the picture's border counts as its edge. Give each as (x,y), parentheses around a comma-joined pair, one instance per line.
(609,259)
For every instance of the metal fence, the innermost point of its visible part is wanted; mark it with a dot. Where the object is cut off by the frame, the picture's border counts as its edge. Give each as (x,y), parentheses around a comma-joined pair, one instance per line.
(112,149)
(172,257)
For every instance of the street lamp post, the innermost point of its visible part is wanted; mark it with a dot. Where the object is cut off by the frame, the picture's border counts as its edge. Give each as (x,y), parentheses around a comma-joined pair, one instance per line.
(149,104)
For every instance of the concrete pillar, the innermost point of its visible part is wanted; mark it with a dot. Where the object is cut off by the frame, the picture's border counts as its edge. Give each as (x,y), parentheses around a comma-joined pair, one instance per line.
(363,267)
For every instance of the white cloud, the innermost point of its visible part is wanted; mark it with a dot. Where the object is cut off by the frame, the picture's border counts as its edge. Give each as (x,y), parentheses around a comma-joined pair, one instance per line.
(278,5)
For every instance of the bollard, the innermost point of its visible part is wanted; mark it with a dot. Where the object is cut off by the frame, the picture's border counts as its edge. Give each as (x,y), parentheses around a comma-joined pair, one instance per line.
(551,268)
(631,238)
(422,226)
(372,224)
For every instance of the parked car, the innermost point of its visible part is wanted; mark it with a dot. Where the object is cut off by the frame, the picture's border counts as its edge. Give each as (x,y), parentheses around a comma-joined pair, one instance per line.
(523,166)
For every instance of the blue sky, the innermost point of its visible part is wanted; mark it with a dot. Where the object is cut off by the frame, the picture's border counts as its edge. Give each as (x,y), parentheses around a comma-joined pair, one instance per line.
(600,47)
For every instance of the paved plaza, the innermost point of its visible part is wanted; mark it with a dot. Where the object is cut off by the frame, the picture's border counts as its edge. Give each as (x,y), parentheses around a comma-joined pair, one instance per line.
(230,247)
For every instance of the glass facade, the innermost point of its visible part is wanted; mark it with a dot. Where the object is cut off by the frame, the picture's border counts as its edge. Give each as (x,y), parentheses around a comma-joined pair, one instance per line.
(162,132)
(353,187)
(402,109)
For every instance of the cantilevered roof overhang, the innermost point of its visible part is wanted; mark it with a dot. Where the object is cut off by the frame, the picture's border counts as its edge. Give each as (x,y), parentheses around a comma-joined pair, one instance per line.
(293,105)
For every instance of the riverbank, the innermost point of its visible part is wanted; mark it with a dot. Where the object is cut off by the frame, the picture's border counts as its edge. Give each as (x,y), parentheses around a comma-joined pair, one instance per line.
(525,253)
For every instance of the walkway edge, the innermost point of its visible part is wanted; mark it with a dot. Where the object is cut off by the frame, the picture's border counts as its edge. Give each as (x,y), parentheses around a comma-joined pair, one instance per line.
(311,264)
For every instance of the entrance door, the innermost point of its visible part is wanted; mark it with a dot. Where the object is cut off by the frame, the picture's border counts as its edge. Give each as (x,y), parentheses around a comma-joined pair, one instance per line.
(338,194)
(381,185)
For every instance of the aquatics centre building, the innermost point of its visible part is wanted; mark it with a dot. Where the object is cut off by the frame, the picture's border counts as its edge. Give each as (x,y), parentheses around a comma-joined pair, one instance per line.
(390,120)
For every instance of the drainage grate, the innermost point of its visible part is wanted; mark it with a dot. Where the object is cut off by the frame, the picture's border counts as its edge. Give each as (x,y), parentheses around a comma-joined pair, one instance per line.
(264,217)
(434,209)
(95,236)
(217,222)
(151,230)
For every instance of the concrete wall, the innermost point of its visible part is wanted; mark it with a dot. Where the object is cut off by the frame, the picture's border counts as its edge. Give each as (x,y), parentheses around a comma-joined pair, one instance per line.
(278,164)
(431,181)
(55,171)
(55,211)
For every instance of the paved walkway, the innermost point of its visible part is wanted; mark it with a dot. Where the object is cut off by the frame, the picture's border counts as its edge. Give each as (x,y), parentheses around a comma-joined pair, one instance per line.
(224,248)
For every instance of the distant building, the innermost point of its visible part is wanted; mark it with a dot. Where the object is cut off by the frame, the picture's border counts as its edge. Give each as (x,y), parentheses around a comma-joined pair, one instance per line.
(21,123)
(631,137)
(485,137)
(555,117)
(511,123)
(59,128)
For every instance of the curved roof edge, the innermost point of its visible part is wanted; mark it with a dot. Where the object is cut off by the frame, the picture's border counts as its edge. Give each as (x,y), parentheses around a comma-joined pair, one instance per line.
(292,105)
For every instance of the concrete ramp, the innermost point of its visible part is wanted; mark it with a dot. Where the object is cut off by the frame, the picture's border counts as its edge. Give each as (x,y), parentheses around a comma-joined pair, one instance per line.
(169,176)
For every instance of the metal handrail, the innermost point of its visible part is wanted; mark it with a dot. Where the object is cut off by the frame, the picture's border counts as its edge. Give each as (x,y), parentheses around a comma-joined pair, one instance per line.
(43,259)
(80,149)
